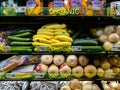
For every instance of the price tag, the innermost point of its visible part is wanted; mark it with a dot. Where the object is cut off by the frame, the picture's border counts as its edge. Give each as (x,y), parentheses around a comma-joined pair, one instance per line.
(20,9)
(42,48)
(7,49)
(118,8)
(10,75)
(109,75)
(39,75)
(76,48)
(116,48)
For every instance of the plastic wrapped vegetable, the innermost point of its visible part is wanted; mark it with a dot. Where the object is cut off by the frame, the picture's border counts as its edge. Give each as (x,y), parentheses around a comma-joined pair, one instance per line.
(12,62)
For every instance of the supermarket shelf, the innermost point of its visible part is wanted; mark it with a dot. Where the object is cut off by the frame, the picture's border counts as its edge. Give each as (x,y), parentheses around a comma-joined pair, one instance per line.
(57,78)
(50,19)
(54,53)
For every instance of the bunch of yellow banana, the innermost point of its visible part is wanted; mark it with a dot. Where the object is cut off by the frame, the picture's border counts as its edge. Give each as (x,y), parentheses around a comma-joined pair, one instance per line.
(52,35)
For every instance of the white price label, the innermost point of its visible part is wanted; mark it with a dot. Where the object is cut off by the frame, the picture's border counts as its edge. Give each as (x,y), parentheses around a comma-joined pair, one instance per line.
(76,48)
(20,9)
(10,75)
(118,8)
(42,48)
(6,48)
(109,75)
(39,75)
(115,48)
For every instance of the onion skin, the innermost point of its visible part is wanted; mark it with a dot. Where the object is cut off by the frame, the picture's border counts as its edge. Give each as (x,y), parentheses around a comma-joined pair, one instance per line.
(117,29)
(108,46)
(75,84)
(113,37)
(99,33)
(108,30)
(103,38)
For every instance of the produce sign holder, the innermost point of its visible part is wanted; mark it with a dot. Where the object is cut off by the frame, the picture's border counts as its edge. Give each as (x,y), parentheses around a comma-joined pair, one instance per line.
(41,76)
(19,76)
(56,11)
(45,49)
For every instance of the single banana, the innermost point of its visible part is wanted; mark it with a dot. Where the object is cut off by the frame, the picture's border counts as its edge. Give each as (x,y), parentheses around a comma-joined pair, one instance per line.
(44,26)
(61,33)
(62,44)
(55,25)
(43,36)
(60,30)
(54,41)
(43,30)
(63,38)
(40,44)
(41,40)
(45,33)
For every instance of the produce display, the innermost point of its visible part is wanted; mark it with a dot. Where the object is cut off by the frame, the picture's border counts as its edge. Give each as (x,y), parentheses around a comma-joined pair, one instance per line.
(108,36)
(58,38)
(110,85)
(14,85)
(44,85)
(20,40)
(56,51)
(60,67)
(2,40)
(34,8)
(13,62)
(75,84)
(59,8)
(54,36)
(76,7)
(8,7)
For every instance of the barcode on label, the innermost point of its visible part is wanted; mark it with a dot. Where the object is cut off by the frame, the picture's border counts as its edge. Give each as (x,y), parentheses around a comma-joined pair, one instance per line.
(20,9)
(76,48)
(10,75)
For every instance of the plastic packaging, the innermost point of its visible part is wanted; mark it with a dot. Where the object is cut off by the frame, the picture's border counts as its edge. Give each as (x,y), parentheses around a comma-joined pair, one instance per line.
(2,40)
(75,3)
(23,72)
(44,85)
(58,7)
(13,85)
(96,3)
(115,6)
(33,59)
(9,7)
(34,7)
(24,69)
(12,62)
